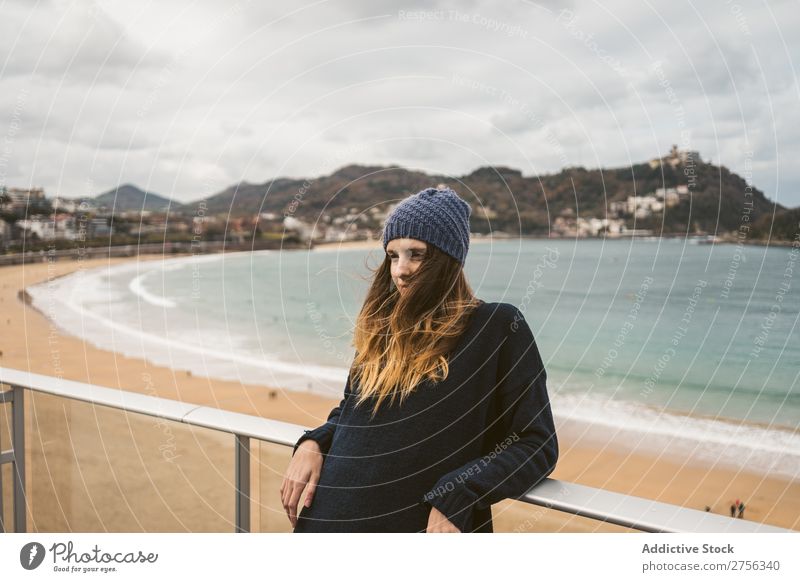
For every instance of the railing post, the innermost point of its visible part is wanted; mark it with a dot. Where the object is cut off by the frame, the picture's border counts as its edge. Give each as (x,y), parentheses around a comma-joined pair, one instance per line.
(2,521)
(242,484)
(20,501)
(16,457)
(5,396)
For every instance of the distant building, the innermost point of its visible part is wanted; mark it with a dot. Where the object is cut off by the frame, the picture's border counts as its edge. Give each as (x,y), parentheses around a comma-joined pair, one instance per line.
(643,206)
(86,206)
(135,214)
(339,235)
(20,198)
(43,229)
(637,232)
(618,208)
(354,217)
(304,230)
(583,227)
(671,196)
(596,226)
(5,232)
(64,204)
(676,157)
(64,227)
(58,227)
(98,227)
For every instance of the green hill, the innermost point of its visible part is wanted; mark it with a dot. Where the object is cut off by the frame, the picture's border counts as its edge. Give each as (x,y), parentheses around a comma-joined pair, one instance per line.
(516,204)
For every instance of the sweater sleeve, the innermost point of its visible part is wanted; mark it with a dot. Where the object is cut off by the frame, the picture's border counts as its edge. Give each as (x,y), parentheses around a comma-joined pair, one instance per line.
(529,451)
(324,434)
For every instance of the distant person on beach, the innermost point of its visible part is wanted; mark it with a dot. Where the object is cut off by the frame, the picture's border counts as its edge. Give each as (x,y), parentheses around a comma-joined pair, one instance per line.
(445,409)
(740,507)
(733,509)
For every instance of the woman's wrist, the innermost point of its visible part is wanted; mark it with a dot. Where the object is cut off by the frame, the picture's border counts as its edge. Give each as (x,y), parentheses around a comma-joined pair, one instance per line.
(310,444)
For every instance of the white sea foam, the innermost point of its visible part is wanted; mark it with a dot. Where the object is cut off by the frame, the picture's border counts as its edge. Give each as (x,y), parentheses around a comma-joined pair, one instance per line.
(151,268)
(137,288)
(763,449)
(83,304)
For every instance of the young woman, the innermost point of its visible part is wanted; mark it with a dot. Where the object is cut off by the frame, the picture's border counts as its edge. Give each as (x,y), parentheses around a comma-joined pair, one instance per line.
(445,409)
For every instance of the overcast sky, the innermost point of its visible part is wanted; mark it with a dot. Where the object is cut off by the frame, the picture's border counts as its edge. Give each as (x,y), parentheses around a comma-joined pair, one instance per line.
(186,98)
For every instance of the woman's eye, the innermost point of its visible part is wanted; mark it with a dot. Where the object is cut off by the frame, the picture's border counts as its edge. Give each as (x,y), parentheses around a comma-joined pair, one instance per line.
(415,256)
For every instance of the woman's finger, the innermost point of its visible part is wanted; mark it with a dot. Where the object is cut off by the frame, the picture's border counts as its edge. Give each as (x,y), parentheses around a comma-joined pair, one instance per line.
(285,498)
(312,488)
(285,492)
(287,506)
(294,499)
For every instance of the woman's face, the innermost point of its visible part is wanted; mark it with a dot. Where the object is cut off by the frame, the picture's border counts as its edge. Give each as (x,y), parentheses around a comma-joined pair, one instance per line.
(407,255)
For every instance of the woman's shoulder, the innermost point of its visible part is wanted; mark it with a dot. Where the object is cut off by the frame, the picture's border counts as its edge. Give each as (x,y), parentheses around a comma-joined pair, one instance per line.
(499,310)
(504,321)
(499,313)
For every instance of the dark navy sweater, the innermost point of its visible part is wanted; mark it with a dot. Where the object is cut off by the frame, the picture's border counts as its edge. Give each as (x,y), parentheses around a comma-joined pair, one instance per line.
(483,434)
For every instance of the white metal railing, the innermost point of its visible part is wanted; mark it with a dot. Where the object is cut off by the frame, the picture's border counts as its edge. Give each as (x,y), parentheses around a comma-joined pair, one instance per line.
(624,510)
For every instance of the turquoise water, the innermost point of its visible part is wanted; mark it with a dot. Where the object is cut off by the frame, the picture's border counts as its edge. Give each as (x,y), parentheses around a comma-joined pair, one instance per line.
(604,314)
(635,335)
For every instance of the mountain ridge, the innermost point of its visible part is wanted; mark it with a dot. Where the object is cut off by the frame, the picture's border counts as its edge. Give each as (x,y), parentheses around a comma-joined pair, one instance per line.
(501,197)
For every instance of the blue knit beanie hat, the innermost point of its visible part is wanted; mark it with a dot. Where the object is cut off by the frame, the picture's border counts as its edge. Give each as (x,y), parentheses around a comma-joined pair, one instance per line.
(437,216)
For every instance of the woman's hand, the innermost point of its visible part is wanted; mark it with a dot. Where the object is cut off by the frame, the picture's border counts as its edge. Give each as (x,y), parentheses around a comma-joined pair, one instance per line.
(304,470)
(438,523)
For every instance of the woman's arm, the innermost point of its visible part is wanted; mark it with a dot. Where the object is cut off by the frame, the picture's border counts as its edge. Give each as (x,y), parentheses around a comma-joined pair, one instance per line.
(529,451)
(323,435)
(305,467)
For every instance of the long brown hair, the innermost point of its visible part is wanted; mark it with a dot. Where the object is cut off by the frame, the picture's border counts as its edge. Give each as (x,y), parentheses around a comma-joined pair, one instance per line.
(403,339)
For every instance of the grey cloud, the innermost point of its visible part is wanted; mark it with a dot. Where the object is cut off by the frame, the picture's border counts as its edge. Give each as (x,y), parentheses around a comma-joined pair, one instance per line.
(214,112)
(76,43)
(712,69)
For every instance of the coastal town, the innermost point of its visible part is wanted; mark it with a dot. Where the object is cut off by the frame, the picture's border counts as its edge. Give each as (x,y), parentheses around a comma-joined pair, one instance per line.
(30,216)
(30,219)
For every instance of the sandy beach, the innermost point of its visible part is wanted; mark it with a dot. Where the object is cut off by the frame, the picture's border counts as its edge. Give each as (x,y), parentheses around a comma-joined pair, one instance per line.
(94,469)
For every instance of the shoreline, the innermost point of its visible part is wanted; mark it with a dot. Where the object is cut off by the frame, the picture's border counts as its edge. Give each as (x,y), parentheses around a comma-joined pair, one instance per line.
(29,340)
(650,238)
(38,257)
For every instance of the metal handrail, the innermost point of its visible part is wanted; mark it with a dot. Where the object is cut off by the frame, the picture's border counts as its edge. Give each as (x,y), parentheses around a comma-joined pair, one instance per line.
(598,504)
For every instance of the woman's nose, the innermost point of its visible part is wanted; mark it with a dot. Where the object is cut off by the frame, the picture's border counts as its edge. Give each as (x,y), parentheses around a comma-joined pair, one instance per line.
(403,265)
